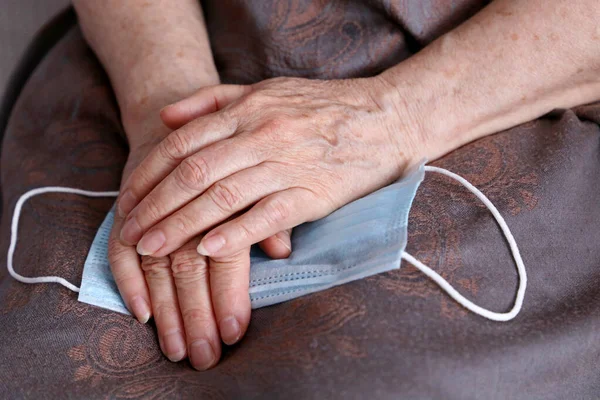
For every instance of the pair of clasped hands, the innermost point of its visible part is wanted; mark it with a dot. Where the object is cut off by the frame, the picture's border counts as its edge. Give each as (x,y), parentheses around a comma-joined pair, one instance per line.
(242,165)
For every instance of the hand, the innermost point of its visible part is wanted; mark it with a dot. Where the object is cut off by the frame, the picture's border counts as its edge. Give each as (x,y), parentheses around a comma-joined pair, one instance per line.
(215,98)
(176,288)
(293,150)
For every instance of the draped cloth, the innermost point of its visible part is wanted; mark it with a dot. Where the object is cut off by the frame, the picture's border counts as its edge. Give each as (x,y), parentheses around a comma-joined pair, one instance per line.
(394,335)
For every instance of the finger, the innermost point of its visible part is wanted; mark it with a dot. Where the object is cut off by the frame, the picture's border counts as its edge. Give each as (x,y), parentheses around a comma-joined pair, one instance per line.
(205,101)
(279,245)
(277,212)
(229,281)
(167,155)
(125,266)
(222,200)
(189,180)
(165,307)
(190,273)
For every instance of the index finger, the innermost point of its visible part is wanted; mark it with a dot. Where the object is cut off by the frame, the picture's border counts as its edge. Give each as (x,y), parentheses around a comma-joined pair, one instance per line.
(126,269)
(170,152)
(205,101)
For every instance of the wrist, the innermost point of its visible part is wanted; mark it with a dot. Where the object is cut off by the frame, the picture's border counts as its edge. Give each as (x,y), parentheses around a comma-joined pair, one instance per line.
(429,106)
(160,78)
(156,91)
(140,101)
(405,119)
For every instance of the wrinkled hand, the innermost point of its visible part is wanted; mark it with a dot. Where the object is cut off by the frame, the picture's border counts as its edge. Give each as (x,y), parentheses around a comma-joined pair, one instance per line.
(279,153)
(193,310)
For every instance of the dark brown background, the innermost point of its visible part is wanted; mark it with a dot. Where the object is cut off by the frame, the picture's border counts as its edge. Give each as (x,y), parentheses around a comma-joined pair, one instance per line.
(394,335)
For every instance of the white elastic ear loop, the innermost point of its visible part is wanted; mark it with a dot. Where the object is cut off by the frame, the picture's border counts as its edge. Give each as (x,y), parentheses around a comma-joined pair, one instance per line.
(15,225)
(469,305)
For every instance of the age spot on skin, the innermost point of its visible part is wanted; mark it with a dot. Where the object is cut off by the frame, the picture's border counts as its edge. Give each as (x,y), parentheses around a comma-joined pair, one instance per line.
(514,37)
(450,72)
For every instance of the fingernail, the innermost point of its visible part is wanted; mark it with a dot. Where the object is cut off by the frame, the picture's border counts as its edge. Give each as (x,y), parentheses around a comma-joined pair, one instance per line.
(151,243)
(140,309)
(285,240)
(230,330)
(201,355)
(211,244)
(174,345)
(131,232)
(126,204)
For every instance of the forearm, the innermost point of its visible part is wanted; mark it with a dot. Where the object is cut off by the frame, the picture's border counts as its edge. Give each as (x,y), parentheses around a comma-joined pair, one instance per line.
(155,52)
(513,62)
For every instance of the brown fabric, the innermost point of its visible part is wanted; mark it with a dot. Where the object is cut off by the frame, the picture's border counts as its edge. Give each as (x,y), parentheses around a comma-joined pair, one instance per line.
(392,336)
(256,40)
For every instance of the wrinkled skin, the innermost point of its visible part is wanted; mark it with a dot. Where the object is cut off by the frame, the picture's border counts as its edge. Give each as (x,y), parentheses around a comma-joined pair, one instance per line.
(244,163)
(292,150)
(176,288)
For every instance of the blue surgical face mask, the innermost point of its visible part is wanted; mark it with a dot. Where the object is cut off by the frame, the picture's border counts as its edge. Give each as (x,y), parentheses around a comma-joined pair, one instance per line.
(365,237)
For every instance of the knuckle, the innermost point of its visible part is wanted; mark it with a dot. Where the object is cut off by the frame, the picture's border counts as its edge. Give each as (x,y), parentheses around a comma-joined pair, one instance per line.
(277,210)
(193,173)
(163,309)
(188,265)
(225,196)
(156,267)
(274,127)
(197,316)
(124,280)
(225,118)
(116,251)
(151,209)
(183,224)
(323,202)
(175,146)
(245,231)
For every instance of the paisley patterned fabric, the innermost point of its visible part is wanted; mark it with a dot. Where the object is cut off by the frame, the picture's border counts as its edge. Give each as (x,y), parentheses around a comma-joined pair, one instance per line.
(394,335)
(323,39)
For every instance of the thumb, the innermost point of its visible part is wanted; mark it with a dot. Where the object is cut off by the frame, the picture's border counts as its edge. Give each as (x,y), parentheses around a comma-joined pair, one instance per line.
(205,101)
(279,245)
